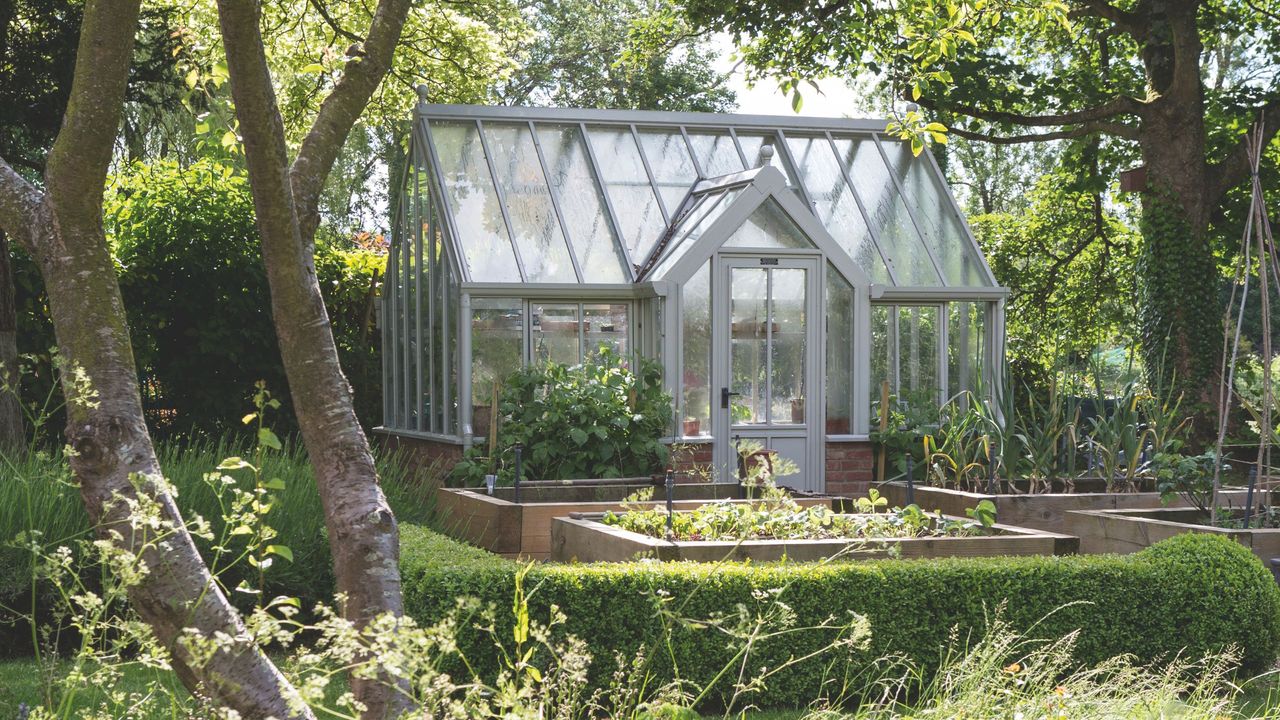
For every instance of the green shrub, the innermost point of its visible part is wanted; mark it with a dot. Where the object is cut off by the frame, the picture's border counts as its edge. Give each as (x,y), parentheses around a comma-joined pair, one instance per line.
(1196,593)
(603,418)
(199,305)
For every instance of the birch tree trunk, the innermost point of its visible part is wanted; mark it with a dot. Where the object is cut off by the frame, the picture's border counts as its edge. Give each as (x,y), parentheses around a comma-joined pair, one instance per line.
(363,535)
(62,229)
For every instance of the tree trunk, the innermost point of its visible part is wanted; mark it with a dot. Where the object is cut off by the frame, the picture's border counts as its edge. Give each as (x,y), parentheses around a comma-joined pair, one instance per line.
(112,454)
(363,535)
(12,432)
(1180,313)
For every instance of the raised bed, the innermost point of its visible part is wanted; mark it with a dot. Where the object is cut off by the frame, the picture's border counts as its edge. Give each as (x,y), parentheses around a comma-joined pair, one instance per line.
(1128,531)
(583,538)
(1042,511)
(498,524)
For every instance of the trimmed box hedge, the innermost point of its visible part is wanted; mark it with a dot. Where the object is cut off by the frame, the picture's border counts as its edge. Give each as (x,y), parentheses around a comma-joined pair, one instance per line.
(1192,594)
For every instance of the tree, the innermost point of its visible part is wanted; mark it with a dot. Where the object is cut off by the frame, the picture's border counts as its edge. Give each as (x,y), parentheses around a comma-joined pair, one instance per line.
(111,452)
(362,530)
(1173,83)
(1068,261)
(37,58)
(613,54)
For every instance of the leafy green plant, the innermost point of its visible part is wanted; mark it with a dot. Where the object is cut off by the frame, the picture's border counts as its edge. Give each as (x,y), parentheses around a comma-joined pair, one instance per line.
(602,419)
(198,301)
(1046,427)
(778,517)
(1188,477)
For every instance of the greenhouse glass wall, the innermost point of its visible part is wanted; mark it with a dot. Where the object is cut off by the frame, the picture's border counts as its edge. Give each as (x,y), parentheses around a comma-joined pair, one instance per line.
(780,269)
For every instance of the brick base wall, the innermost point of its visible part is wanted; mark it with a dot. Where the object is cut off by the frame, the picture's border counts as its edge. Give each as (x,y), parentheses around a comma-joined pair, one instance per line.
(425,458)
(850,468)
(692,461)
(849,465)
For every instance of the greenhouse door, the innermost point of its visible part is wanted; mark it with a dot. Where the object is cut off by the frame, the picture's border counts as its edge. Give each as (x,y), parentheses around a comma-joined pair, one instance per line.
(766,362)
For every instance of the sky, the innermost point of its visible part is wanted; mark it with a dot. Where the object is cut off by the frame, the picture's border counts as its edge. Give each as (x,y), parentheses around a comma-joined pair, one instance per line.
(836,98)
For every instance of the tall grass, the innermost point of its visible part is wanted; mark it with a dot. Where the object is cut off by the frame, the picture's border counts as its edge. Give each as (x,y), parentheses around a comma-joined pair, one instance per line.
(38,494)
(1009,675)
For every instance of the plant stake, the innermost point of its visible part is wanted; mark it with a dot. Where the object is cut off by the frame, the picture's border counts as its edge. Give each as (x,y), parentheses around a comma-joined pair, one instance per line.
(671,486)
(519,451)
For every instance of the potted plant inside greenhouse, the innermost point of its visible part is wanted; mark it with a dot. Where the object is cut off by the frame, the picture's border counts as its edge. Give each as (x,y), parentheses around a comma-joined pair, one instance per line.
(746,257)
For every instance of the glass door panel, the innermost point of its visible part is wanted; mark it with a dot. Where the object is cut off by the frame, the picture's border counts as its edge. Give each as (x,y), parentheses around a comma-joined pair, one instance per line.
(749,346)
(787,345)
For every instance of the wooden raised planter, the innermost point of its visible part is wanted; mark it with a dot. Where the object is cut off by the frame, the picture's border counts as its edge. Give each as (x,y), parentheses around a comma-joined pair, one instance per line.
(583,538)
(496,523)
(1042,511)
(1128,531)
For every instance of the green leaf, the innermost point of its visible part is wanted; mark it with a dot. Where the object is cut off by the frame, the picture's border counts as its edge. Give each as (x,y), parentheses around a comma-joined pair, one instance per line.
(228,139)
(269,439)
(274,484)
(249,418)
(797,101)
(281,550)
(233,463)
(312,68)
(578,435)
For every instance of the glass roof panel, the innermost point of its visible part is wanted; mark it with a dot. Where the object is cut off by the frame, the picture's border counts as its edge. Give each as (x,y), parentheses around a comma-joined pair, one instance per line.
(943,229)
(751,144)
(534,224)
(634,203)
(769,226)
(582,203)
(672,166)
(716,153)
(896,234)
(468,185)
(703,216)
(835,205)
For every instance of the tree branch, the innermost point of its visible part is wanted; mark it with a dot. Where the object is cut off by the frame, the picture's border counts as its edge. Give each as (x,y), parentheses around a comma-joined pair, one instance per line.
(1126,21)
(1119,105)
(328,20)
(19,206)
(1100,127)
(1230,170)
(78,162)
(339,112)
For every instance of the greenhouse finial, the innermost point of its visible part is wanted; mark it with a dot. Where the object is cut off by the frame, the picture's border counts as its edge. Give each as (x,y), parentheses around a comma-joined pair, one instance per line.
(422,91)
(766,155)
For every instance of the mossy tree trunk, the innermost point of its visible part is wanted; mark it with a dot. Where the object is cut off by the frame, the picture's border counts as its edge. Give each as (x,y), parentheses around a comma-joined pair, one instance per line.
(12,432)
(1179,309)
(362,530)
(112,451)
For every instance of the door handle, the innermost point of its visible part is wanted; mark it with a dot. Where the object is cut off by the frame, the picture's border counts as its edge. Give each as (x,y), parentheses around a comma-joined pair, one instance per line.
(724,397)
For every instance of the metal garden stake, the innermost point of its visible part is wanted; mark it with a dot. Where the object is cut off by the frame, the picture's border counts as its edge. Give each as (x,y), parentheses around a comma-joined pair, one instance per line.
(911,479)
(519,450)
(671,487)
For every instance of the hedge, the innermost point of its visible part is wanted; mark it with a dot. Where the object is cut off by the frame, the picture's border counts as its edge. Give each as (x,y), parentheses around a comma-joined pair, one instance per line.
(1193,593)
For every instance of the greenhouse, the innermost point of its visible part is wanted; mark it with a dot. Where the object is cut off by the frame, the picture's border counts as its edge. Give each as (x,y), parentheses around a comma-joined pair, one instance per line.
(781,270)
